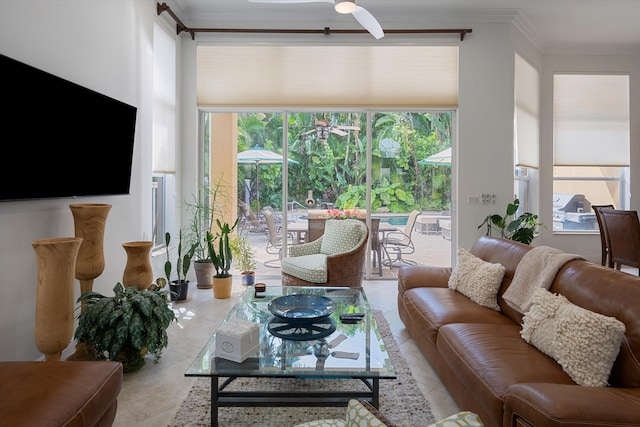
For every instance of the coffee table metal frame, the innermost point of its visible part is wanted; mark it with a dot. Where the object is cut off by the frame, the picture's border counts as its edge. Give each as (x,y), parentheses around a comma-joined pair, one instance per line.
(362,340)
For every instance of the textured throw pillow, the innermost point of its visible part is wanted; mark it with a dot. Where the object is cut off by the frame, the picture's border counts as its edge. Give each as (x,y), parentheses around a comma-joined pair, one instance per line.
(477,279)
(340,235)
(584,343)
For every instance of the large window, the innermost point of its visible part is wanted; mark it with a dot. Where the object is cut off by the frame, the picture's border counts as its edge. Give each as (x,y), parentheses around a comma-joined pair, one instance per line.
(591,148)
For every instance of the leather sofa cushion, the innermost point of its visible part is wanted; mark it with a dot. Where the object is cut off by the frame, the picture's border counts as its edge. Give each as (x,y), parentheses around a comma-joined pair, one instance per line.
(434,307)
(60,393)
(488,358)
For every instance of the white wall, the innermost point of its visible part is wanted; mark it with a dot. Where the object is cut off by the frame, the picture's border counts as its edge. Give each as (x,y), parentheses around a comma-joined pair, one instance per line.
(105,46)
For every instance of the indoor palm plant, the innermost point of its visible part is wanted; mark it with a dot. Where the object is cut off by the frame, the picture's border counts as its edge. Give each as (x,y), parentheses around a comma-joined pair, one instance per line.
(222,258)
(519,228)
(125,326)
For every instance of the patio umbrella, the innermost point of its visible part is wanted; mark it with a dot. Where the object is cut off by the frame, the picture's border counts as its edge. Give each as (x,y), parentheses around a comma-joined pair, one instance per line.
(259,156)
(442,158)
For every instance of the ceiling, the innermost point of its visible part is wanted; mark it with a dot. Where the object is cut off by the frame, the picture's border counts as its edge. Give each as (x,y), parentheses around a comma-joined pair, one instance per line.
(553,26)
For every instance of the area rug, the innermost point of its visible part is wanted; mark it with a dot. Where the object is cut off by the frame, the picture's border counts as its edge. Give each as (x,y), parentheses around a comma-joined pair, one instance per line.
(400,399)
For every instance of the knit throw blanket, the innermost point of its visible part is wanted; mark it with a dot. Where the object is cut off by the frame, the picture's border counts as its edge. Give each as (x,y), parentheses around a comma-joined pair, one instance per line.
(537,269)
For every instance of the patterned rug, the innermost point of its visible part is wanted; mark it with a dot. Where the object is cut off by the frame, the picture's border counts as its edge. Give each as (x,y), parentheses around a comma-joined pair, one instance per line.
(400,400)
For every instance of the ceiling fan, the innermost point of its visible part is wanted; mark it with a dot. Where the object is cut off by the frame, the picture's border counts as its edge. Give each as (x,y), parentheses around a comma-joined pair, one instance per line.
(324,126)
(363,16)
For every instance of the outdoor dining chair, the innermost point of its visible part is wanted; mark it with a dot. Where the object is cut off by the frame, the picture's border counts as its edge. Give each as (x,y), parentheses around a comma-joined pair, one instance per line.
(399,243)
(275,241)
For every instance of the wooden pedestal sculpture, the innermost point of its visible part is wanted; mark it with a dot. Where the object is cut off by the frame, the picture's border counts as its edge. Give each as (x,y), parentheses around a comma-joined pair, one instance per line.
(138,271)
(56,260)
(89,221)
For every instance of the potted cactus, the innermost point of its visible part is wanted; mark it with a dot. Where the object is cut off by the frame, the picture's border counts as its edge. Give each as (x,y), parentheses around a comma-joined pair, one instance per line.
(179,288)
(222,258)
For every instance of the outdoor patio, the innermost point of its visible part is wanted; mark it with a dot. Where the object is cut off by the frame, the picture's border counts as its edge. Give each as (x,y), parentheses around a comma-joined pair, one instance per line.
(431,248)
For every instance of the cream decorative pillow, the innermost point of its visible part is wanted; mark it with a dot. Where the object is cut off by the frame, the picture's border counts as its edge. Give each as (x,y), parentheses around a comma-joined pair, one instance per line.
(340,235)
(584,343)
(477,279)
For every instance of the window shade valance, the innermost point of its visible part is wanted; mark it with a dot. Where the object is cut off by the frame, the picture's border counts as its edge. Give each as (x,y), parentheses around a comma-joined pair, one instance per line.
(591,120)
(355,76)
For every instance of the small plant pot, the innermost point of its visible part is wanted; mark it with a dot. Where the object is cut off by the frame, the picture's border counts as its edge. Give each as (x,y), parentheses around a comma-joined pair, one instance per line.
(222,287)
(204,274)
(179,290)
(248,278)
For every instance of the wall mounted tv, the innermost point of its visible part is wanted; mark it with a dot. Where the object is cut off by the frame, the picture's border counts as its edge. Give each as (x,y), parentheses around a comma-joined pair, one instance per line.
(61,140)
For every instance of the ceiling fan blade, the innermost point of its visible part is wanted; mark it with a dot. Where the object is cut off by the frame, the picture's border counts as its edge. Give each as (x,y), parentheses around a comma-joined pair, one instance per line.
(369,23)
(338,132)
(348,127)
(291,1)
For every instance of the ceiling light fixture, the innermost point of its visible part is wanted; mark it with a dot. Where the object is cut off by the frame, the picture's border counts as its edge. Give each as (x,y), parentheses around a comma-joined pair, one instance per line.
(345,6)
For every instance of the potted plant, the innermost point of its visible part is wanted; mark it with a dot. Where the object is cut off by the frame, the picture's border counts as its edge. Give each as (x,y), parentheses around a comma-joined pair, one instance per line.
(202,209)
(245,259)
(222,258)
(179,288)
(125,326)
(519,228)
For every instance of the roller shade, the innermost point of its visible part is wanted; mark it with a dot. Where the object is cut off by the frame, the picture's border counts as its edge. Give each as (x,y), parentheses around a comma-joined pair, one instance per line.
(164,101)
(527,109)
(358,76)
(591,120)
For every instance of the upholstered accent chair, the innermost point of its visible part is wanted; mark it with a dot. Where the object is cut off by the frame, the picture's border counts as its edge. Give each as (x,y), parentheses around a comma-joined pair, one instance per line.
(361,413)
(334,259)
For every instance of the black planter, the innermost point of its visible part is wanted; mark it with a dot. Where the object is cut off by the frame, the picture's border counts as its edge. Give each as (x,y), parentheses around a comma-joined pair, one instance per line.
(179,290)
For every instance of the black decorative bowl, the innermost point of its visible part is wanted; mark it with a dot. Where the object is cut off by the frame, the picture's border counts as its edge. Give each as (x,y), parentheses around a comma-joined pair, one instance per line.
(302,307)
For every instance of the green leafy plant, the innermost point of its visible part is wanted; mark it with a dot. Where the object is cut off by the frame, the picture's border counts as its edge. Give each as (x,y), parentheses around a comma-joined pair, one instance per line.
(519,228)
(125,326)
(223,258)
(244,254)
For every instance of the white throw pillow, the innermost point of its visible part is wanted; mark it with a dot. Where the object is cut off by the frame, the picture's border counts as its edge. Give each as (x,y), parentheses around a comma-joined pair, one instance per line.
(584,343)
(477,279)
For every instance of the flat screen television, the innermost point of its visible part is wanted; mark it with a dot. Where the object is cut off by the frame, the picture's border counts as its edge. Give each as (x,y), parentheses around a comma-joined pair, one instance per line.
(60,139)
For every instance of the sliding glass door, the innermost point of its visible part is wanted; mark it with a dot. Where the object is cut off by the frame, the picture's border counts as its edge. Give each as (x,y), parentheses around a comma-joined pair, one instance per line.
(375,164)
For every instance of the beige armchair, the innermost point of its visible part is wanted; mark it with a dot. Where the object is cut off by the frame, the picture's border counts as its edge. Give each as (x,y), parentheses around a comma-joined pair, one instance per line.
(335,259)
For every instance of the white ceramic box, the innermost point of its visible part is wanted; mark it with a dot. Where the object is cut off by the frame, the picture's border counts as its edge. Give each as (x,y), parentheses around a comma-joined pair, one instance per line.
(237,339)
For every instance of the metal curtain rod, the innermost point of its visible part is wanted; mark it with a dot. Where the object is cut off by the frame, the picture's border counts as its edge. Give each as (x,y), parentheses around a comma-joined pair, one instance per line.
(180,27)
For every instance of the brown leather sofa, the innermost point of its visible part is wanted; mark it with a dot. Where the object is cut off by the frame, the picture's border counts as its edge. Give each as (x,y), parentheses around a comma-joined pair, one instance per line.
(489,369)
(64,393)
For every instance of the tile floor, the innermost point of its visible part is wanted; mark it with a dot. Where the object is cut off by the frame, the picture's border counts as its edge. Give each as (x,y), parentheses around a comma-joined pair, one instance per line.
(151,396)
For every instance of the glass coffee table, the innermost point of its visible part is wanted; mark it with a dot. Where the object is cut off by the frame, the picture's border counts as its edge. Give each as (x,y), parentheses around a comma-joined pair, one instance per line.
(327,348)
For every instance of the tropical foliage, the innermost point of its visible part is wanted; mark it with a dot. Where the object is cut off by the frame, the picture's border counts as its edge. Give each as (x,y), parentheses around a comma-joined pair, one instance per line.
(521,228)
(126,325)
(335,169)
